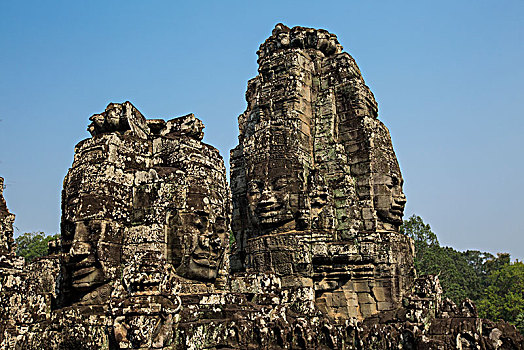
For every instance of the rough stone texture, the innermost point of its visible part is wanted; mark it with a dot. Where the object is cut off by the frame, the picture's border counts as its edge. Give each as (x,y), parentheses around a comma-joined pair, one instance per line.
(6,224)
(317,260)
(133,190)
(145,215)
(26,292)
(317,190)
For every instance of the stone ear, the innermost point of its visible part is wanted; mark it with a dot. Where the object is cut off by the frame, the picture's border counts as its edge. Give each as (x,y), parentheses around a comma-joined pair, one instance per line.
(175,242)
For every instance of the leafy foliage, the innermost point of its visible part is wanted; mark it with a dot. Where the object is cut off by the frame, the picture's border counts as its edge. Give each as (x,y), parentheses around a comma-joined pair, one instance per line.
(503,298)
(519,323)
(494,283)
(421,233)
(32,245)
(458,278)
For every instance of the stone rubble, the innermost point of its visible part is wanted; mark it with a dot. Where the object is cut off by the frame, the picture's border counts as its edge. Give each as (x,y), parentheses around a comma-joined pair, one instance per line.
(304,251)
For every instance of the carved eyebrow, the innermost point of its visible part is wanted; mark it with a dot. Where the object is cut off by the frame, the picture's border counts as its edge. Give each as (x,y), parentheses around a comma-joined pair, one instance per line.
(280,181)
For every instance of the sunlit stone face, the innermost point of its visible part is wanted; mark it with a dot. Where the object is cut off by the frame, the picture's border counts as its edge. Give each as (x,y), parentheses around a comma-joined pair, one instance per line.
(389,199)
(197,233)
(197,243)
(386,179)
(91,260)
(275,194)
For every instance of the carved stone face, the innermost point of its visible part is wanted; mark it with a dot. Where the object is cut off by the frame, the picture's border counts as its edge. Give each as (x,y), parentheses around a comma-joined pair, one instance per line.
(389,199)
(91,259)
(385,178)
(84,266)
(274,194)
(198,244)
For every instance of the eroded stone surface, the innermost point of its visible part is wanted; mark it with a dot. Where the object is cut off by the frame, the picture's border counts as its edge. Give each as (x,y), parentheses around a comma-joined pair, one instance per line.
(317,190)
(130,191)
(317,260)
(6,224)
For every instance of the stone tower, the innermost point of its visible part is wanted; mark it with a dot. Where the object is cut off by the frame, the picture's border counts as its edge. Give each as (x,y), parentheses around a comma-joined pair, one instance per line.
(142,186)
(317,189)
(6,224)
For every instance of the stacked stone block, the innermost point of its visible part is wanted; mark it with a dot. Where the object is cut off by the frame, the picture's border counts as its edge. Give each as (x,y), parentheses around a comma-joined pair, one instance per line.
(310,108)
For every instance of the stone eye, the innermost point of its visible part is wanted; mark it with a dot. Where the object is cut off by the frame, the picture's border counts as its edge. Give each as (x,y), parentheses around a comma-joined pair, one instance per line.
(253,189)
(201,219)
(394,181)
(220,225)
(280,184)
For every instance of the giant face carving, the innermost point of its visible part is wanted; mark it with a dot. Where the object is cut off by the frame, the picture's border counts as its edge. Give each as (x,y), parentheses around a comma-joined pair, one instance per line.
(197,244)
(91,260)
(389,199)
(197,236)
(386,179)
(275,195)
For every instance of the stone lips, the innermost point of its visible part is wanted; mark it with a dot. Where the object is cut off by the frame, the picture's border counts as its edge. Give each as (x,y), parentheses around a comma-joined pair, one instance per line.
(316,197)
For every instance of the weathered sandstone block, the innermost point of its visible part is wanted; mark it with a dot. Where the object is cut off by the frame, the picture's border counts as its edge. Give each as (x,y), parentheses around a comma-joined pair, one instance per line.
(315,175)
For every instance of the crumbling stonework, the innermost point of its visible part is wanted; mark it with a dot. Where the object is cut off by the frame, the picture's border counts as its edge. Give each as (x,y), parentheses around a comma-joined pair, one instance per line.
(6,224)
(132,189)
(317,190)
(26,292)
(317,262)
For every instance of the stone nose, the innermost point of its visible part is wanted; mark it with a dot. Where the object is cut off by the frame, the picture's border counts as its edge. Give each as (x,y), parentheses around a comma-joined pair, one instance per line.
(79,249)
(215,242)
(266,198)
(203,241)
(203,226)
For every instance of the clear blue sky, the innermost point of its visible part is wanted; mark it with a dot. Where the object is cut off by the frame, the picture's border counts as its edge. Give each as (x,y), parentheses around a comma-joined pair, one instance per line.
(448,77)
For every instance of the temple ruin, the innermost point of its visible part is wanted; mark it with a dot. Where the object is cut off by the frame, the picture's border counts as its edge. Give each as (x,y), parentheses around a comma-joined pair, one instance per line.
(300,250)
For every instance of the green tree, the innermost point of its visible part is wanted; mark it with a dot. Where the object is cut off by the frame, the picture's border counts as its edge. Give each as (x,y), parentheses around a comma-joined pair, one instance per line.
(421,233)
(478,260)
(494,283)
(457,276)
(495,264)
(32,245)
(504,296)
(519,322)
